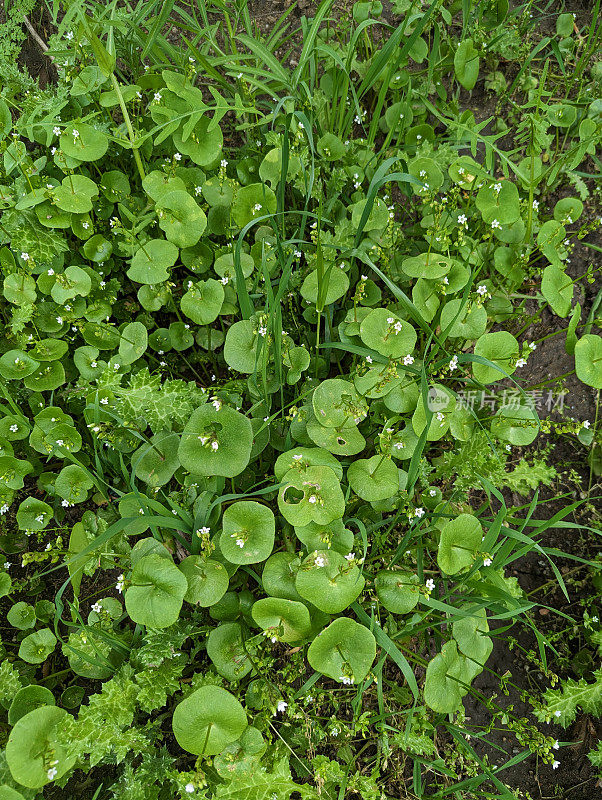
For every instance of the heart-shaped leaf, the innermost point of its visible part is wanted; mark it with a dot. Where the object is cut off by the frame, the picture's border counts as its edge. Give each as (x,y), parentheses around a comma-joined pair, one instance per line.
(208,720)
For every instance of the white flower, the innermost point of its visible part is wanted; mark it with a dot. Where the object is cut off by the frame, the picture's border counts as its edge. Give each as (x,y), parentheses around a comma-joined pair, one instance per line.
(223,163)
(482,289)
(40,519)
(555,764)
(116,366)
(462,219)
(97,607)
(586,424)
(282,706)
(104,401)
(75,133)
(350,556)
(319,561)
(419,512)
(25,256)
(555,746)
(7,565)
(189,788)
(262,331)
(369,359)
(257,207)
(56,130)
(407,360)
(298,457)
(312,499)
(487,562)
(204,531)
(497,188)
(52,773)
(4,508)
(347,680)
(390,320)
(15,428)
(59,320)
(240,543)
(69,35)
(520,362)
(177,156)
(453,364)
(557,713)
(120,583)
(440,416)
(214,446)
(50,271)
(532,346)
(198,189)
(157,96)
(398,326)
(495,224)
(430,585)
(535,205)
(225,280)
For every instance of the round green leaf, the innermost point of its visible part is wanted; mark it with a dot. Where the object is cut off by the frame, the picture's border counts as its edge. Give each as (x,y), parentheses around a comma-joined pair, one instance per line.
(151,262)
(472,636)
(442,689)
(516,424)
(156,593)
(373,478)
(83,142)
(313,495)
(207,580)
(285,620)
(466,64)
(279,573)
(133,343)
(203,301)
(27,699)
(501,349)
(460,539)
(155,462)
(208,427)
(388,334)
(252,202)
(248,532)
(335,285)
(31,747)
(397,590)
(327,580)
(21,616)
(208,720)
(344,651)
(588,360)
(225,647)
(336,403)
(182,220)
(240,346)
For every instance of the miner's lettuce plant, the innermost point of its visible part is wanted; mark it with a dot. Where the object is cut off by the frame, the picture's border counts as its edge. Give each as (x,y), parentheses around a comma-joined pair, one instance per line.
(243,306)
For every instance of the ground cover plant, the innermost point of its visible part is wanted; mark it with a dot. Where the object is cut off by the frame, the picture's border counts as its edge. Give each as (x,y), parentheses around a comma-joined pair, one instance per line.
(272,451)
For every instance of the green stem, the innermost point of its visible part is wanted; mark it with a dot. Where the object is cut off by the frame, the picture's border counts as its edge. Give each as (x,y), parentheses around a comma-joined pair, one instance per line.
(128,125)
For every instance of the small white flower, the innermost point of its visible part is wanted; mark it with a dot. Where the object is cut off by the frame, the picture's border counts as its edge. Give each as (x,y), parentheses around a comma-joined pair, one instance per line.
(52,773)
(15,428)
(56,130)
(75,133)
(398,326)
(59,320)
(4,508)
(407,360)
(440,416)
(497,188)
(462,219)
(157,96)
(177,156)
(69,35)
(50,271)
(97,607)
(520,362)
(557,713)
(453,364)
(495,224)
(204,531)
(319,561)
(25,256)
(120,583)
(240,543)
(223,163)
(350,556)
(225,280)
(535,205)
(214,446)
(487,562)
(556,745)
(116,366)
(369,359)
(390,320)
(430,585)
(7,565)
(419,512)
(482,289)
(189,788)
(65,503)
(104,401)
(555,764)
(586,424)
(262,331)
(312,499)
(282,706)
(198,190)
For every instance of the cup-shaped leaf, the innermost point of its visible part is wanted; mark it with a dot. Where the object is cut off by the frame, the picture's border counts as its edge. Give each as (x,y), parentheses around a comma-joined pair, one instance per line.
(518,425)
(333,287)
(207,580)
(397,590)
(373,478)
(225,647)
(84,142)
(336,403)
(314,495)
(248,532)
(287,620)
(327,580)
(21,616)
(156,461)
(152,261)
(207,720)
(442,403)
(203,301)
(588,360)
(252,202)
(240,346)
(344,651)
(35,648)
(156,592)
(460,539)
(31,746)
(343,441)
(383,331)
(301,457)
(334,536)
(443,690)
(279,574)
(501,349)
(241,757)
(472,635)
(182,220)
(216,442)
(27,699)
